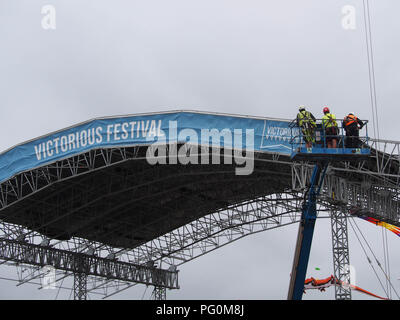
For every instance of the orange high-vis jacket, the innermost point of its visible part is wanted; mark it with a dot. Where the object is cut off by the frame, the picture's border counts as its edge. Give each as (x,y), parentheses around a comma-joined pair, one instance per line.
(350,119)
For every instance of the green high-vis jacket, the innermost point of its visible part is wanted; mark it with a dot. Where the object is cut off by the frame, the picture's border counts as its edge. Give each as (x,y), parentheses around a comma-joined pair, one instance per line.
(304,117)
(329,120)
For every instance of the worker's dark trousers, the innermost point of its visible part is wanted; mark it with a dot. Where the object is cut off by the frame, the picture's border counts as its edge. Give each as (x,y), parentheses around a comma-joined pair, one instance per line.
(352,140)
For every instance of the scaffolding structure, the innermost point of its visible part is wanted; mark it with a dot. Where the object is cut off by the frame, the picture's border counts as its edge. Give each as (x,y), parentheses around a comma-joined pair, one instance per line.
(47,214)
(341,255)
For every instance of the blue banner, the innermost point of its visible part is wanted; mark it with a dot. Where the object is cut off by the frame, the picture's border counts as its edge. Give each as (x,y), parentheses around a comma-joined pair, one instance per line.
(262,135)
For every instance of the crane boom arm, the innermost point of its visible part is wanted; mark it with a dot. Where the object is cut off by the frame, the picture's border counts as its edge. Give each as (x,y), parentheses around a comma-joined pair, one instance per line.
(305,233)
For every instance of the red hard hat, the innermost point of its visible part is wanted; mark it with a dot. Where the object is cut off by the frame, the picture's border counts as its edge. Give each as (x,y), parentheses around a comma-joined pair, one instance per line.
(326,109)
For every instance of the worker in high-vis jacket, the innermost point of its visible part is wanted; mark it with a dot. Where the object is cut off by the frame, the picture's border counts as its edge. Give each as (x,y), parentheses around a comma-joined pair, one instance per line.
(306,121)
(352,125)
(330,127)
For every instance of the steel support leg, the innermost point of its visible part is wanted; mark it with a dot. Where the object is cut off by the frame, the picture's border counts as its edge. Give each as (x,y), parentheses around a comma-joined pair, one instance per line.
(341,257)
(159,293)
(80,286)
(80,280)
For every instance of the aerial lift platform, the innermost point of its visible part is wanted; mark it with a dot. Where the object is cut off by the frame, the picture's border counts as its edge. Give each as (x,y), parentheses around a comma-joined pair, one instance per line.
(322,156)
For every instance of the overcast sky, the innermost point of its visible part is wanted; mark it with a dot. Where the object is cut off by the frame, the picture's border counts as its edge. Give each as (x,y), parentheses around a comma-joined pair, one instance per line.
(257,57)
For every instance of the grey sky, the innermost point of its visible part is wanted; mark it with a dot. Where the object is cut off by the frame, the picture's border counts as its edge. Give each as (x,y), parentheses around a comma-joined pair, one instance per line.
(261,58)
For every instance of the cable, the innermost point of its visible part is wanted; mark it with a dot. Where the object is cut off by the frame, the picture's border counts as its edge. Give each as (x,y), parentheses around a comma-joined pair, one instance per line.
(373,70)
(375,118)
(376,259)
(371,67)
(386,258)
(58,291)
(384,255)
(144,292)
(387,253)
(369,260)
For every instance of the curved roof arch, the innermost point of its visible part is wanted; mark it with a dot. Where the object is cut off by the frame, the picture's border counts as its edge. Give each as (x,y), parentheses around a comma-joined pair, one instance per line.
(107,191)
(270,135)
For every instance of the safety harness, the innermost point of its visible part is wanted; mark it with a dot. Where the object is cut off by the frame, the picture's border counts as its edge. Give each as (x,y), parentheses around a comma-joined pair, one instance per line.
(331,121)
(305,119)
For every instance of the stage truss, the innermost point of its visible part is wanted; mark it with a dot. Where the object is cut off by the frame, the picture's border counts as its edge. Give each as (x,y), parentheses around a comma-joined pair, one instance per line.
(102,270)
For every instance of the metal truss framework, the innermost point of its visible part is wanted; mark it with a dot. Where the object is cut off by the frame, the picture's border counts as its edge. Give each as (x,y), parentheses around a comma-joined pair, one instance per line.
(78,263)
(341,256)
(366,197)
(159,293)
(80,286)
(181,245)
(220,228)
(360,188)
(387,157)
(29,182)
